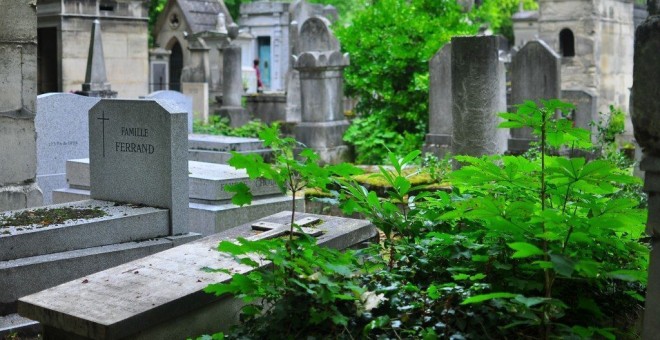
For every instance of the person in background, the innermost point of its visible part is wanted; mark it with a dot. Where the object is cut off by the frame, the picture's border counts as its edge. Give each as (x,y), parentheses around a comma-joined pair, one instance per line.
(260,85)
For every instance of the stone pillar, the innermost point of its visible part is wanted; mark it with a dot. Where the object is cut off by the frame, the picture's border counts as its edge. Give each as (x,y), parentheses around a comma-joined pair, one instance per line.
(479,94)
(194,78)
(96,81)
(646,123)
(18,95)
(323,123)
(438,140)
(232,87)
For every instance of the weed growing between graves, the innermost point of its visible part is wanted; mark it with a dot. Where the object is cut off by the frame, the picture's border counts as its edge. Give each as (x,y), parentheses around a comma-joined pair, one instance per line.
(539,247)
(45,217)
(220,126)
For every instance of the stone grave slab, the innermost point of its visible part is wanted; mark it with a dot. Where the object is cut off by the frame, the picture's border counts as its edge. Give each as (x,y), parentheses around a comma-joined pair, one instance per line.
(142,144)
(178,98)
(122,223)
(62,134)
(210,208)
(162,295)
(217,149)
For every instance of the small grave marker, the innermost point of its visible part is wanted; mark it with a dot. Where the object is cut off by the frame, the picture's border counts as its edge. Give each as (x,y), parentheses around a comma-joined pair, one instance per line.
(272,230)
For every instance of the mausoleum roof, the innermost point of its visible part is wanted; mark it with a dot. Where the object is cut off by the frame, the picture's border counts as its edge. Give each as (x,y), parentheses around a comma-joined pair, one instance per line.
(202,15)
(526,16)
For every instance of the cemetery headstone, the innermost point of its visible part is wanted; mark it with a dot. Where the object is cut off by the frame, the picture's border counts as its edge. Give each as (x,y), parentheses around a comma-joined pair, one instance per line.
(177,98)
(438,140)
(646,120)
(535,76)
(478,89)
(586,107)
(144,145)
(62,134)
(321,68)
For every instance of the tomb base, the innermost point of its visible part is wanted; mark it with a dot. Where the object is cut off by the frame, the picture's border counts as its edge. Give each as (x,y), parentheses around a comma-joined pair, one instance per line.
(237,115)
(437,144)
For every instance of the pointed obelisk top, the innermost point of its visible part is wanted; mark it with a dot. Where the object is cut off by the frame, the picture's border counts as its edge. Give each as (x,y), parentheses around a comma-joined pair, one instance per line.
(96,82)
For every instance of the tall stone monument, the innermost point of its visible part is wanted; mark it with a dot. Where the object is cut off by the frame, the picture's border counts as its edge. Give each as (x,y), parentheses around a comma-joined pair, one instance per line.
(321,68)
(646,123)
(232,83)
(438,140)
(195,76)
(18,95)
(479,94)
(96,81)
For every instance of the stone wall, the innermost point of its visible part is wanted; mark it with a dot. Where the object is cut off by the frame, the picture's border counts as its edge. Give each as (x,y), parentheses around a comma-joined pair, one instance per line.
(603,32)
(18,94)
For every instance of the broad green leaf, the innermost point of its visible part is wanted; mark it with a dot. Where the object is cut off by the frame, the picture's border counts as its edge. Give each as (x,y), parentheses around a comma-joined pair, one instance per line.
(524,250)
(242,195)
(486,297)
(562,265)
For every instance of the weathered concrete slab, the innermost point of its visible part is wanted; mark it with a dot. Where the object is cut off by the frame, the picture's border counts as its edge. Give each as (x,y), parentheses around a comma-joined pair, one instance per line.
(146,297)
(123,223)
(28,275)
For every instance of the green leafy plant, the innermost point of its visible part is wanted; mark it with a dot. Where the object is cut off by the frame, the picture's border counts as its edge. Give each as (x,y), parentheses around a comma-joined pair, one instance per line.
(390,43)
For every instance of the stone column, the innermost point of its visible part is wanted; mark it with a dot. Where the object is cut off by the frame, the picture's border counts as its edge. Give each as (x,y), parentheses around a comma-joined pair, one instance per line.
(479,94)
(232,87)
(323,123)
(18,95)
(646,122)
(438,140)
(195,76)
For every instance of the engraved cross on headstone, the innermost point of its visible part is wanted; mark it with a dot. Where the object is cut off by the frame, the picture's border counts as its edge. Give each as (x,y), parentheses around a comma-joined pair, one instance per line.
(272,230)
(103,119)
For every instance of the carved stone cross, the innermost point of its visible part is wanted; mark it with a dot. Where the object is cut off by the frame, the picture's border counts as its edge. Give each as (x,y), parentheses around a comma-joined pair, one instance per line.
(272,230)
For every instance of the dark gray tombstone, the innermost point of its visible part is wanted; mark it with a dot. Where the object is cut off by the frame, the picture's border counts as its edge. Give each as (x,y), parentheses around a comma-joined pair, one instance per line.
(438,140)
(586,109)
(478,96)
(315,35)
(535,76)
(646,121)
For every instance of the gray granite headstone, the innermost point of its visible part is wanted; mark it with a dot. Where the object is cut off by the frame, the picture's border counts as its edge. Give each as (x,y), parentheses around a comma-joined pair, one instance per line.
(96,82)
(646,121)
(179,99)
(61,124)
(586,108)
(535,76)
(479,95)
(440,99)
(315,35)
(138,154)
